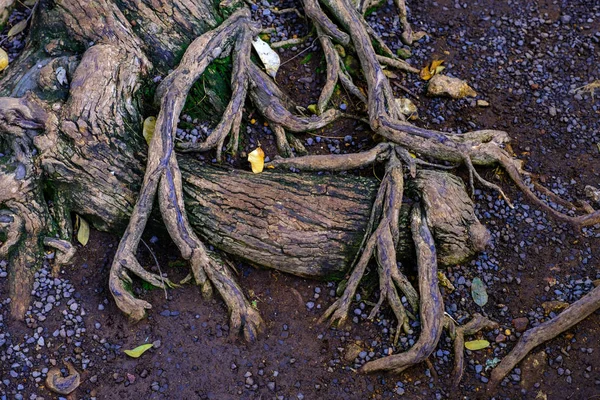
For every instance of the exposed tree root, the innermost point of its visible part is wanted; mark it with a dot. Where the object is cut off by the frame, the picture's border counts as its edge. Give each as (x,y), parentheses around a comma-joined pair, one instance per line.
(431,307)
(443,210)
(571,316)
(477,323)
(163,174)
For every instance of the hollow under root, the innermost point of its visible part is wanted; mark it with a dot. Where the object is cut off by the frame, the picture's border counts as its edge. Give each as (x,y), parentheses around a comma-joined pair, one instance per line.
(571,316)
(431,305)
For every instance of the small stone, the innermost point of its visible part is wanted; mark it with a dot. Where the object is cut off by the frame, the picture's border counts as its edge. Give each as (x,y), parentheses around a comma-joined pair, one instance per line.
(500,338)
(271,386)
(520,324)
(482,103)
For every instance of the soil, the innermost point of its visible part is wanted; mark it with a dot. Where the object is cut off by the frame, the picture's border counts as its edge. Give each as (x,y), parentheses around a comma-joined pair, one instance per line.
(533,259)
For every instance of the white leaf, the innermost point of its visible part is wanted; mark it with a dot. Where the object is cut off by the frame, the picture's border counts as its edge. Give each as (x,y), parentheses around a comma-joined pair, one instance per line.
(61,76)
(267,55)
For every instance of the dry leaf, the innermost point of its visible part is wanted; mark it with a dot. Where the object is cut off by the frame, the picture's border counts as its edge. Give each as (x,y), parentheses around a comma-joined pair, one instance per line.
(267,55)
(18,28)
(148,129)
(138,351)
(257,160)
(406,107)
(390,74)
(430,70)
(3,59)
(83,234)
(477,344)
(445,282)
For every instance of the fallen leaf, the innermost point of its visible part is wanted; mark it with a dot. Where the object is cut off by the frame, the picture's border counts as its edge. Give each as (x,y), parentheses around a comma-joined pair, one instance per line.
(83,233)
(18,28)
(3,59)
(313,109)
(390,74)
(148,129)
(257,160)
(430,70)
(425,74)
(267,55)
(138,351)
(477,344)
(478,292)
(445,282)
(61,75)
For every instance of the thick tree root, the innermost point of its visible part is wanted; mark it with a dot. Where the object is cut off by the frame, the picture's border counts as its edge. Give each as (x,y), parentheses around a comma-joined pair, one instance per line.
(381,243)
(571,316)
(431,307)
(477,323)
(163,174)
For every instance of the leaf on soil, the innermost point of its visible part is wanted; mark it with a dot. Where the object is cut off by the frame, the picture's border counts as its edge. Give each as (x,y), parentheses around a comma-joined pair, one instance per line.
(3,59)
(390,74)
(257,160)
(138,351)
(478,292)
(267,55)
(83,234)
(148,129)
(445,282)
(430,70)
(18,28)
(477,344)
(30,3)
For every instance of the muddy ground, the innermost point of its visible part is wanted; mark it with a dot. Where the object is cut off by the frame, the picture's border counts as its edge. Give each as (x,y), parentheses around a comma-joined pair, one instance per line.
(524,58)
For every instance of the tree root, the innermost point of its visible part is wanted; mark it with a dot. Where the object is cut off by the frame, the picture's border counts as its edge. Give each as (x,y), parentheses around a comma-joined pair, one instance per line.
(477,323)
(431,308)
(381,243)
(571,316)
(163,174)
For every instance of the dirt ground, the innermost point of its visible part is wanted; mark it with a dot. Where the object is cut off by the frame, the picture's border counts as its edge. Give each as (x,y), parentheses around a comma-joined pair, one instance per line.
(522,57)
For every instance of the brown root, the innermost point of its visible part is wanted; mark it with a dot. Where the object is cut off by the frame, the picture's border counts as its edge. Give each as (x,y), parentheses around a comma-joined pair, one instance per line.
(532,338)
(431,308)
(477,323)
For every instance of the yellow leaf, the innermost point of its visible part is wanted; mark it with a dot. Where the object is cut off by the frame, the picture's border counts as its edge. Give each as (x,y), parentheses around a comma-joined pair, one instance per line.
(138,351)
(18,28)
(425,74)
(313,109)
(434,68)
(257,160)
(148,129)
(390,74)
(83,234)
(3,59)
(435,64)
(477,344)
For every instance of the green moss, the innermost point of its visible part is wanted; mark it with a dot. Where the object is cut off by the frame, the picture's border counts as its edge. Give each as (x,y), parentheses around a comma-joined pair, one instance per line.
(210,94)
